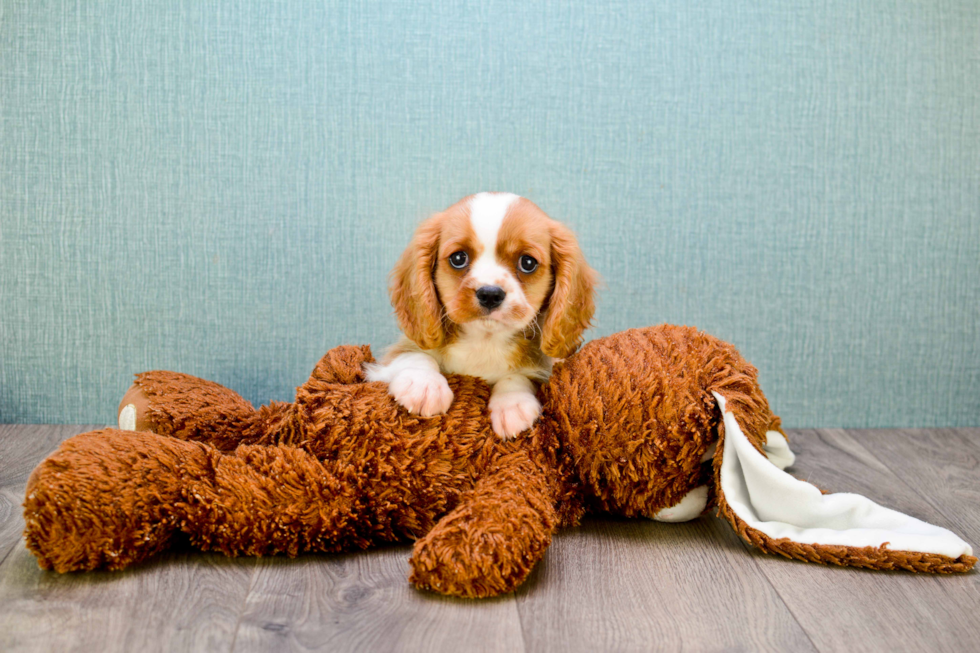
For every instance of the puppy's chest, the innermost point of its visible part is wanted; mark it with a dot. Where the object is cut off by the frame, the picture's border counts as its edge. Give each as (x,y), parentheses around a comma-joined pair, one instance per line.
(489,358)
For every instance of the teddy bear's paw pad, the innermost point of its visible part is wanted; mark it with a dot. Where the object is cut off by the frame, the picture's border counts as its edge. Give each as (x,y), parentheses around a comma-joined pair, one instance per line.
(127,418)
(513,412)
(133,410)
(421,392)
(686,509)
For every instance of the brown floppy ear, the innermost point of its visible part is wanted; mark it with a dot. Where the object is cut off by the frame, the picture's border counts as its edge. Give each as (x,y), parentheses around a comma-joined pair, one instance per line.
(413,289)
(572,303)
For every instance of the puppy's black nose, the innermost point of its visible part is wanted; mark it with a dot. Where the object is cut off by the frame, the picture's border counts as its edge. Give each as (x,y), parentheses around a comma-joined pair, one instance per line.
(490,297)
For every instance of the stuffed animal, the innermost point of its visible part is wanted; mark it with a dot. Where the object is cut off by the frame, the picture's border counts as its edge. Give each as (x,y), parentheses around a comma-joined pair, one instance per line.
(663,422)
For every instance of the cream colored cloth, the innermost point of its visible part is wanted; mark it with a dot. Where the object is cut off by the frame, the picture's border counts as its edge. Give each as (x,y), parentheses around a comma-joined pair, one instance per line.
(781,506)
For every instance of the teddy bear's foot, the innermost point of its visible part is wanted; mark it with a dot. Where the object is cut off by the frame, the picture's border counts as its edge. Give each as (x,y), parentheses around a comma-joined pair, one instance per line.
(490,542)
(103,500)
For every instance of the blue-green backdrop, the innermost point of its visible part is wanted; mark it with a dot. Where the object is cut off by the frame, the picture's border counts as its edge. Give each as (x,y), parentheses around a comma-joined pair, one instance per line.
(221,187)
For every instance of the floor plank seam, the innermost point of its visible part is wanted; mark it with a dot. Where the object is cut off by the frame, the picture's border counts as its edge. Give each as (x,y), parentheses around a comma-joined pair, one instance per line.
(789,609)
(520,622)
(10,550)
(19,540)
(241,610)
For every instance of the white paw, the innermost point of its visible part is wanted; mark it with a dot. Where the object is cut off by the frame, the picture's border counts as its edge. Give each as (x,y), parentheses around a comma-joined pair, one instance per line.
(513,412)
(421,392)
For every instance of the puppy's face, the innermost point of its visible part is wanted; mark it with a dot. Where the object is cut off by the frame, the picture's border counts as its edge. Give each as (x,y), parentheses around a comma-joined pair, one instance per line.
(498,259)
(494,261)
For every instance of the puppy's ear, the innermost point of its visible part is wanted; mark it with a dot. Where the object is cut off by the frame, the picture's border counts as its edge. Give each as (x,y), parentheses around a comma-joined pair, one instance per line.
(413,289)
(572,300)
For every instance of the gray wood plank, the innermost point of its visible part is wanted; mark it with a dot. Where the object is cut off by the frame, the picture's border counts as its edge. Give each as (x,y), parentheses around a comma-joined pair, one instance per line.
(22,446)
(363,602)
(11,521)
(638,585)
(858,610)
(179,602)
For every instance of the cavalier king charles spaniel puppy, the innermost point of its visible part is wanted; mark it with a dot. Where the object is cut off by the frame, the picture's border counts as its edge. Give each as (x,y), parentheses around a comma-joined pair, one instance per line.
(491,287)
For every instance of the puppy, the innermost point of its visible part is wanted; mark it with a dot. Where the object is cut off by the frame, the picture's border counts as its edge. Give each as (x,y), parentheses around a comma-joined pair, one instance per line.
(491,287)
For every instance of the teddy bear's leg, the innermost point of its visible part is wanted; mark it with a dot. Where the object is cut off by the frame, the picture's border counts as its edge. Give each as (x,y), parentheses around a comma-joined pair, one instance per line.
(491,541)
(110,498)
(187,408)
(107,499)
(267,500)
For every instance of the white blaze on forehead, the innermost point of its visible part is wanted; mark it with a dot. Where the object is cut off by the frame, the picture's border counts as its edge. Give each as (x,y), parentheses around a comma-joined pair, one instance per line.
(487,213)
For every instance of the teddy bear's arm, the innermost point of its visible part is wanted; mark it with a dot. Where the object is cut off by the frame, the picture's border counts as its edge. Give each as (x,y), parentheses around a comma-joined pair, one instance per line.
(490,542)
(343,364)
(185,407)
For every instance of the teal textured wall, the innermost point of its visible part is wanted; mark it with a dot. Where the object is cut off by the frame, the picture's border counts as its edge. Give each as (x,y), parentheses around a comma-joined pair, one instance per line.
(221,187)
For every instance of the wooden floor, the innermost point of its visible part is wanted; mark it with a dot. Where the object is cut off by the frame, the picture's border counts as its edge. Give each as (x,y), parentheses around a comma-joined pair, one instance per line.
(611,585)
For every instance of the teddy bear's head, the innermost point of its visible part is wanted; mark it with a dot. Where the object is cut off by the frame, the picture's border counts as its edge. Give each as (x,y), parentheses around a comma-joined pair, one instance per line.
(638,426)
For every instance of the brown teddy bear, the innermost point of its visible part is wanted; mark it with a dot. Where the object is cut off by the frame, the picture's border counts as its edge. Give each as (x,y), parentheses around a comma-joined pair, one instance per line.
(662,422)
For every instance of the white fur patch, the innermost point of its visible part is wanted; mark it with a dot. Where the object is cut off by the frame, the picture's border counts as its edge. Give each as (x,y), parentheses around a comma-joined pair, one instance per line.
(487,213)
(484,349)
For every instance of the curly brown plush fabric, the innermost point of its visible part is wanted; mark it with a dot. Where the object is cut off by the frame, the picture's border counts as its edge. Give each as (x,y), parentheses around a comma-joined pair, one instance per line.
(626,423)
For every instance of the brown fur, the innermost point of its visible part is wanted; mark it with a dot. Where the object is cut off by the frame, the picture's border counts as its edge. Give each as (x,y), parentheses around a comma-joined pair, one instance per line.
(412,287)
(571,304)
(625,423)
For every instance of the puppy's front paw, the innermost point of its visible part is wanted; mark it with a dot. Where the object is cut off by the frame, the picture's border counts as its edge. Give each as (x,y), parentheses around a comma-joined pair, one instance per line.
(513,412)
(421,392)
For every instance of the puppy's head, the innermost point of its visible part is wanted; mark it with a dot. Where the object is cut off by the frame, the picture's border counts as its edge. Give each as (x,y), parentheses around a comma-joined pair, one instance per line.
(498,259)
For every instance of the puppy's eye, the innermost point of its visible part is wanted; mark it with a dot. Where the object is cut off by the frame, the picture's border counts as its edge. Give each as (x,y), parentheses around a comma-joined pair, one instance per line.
(527,264)
(458,260)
